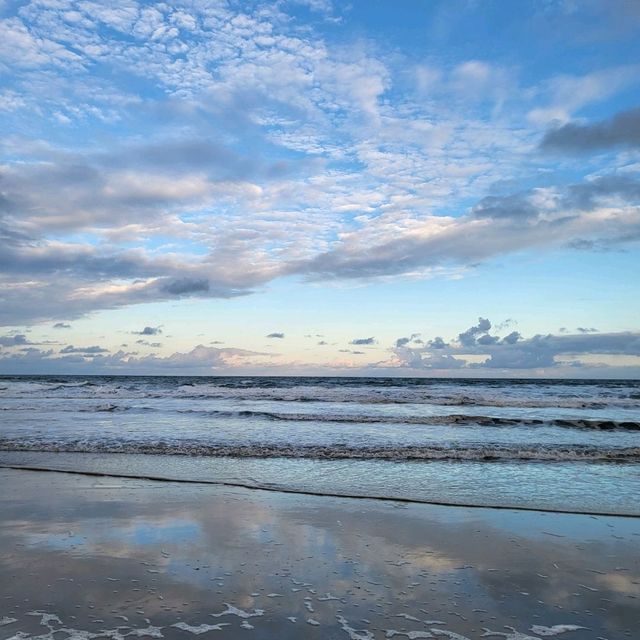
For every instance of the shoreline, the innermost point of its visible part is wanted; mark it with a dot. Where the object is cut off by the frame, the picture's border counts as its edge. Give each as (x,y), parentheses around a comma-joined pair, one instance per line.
(306,492)
(112,557)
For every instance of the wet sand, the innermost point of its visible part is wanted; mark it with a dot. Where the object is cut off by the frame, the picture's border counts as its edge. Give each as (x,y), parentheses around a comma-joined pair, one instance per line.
(85,557)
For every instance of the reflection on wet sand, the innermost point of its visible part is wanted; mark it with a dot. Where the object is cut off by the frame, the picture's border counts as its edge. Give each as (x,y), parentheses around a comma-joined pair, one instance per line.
(102,559)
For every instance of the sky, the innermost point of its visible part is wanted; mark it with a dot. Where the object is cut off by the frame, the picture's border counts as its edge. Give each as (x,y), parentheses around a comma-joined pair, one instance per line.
(308,187)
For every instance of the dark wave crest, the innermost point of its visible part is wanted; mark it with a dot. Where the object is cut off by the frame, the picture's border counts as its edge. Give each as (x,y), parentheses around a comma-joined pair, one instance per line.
(452,419)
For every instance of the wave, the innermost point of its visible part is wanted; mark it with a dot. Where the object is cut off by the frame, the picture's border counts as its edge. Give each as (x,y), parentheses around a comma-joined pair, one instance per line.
(400,397)
(455,419)
(452,419)
(488,453)
(531,396)
(80,408)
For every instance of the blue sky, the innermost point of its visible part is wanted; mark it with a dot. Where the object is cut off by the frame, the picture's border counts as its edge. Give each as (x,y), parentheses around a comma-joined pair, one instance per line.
(309,187)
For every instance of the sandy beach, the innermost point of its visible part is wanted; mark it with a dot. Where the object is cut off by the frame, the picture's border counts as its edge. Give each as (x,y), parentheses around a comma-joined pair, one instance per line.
(84,557)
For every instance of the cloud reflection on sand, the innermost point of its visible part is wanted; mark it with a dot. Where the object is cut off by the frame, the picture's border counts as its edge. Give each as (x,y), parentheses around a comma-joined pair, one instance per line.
(140,556)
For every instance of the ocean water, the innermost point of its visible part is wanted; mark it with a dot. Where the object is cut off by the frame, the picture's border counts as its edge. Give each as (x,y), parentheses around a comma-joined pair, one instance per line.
(559,445)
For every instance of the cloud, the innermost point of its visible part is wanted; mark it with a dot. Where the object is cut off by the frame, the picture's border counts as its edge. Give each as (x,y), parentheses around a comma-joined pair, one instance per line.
(622,130)
(154,345)
(468,338)
(232,146)
(275,335)
(186,286)
(199,360)
(363,341)
(15,340)
(84,350)
(512,338)
(477,349)
(401,342)
(148,331)
(565,94)
(62,325)
(540,218)
(544,350)
(587,330)
(602,190)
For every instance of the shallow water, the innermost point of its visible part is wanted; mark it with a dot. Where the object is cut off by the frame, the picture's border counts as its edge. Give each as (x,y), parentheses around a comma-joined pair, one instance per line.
(563,445)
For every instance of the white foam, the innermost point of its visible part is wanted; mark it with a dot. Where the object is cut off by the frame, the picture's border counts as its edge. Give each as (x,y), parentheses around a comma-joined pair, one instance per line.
(45,617)
(406,616)
(147,632)
(5,620)
(555,630)
(354,634)
(412,635)
(234,611)
(513,635)
(451,634)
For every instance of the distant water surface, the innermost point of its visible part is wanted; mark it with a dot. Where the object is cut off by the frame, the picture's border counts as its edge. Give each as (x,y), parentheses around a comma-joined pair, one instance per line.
(565,445)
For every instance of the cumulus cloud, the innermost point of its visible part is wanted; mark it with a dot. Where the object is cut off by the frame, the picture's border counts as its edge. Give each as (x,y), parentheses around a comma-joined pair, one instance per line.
(275,334)
(622,130)
(62,325)
(477,349)
(468,338)
(512,337)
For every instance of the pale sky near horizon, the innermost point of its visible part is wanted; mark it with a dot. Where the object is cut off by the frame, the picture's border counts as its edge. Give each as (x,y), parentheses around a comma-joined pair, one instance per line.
(315,187)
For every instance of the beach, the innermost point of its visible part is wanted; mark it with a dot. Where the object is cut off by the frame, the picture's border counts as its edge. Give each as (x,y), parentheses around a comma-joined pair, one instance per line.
(85,557)
(319,320)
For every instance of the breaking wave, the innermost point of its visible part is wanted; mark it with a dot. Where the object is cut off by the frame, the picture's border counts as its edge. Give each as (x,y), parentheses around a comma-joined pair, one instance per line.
(452,419)
(490,452)
(460,393)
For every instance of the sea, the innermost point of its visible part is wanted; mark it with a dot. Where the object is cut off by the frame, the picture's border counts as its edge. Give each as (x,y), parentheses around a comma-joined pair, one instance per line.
(556,445)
